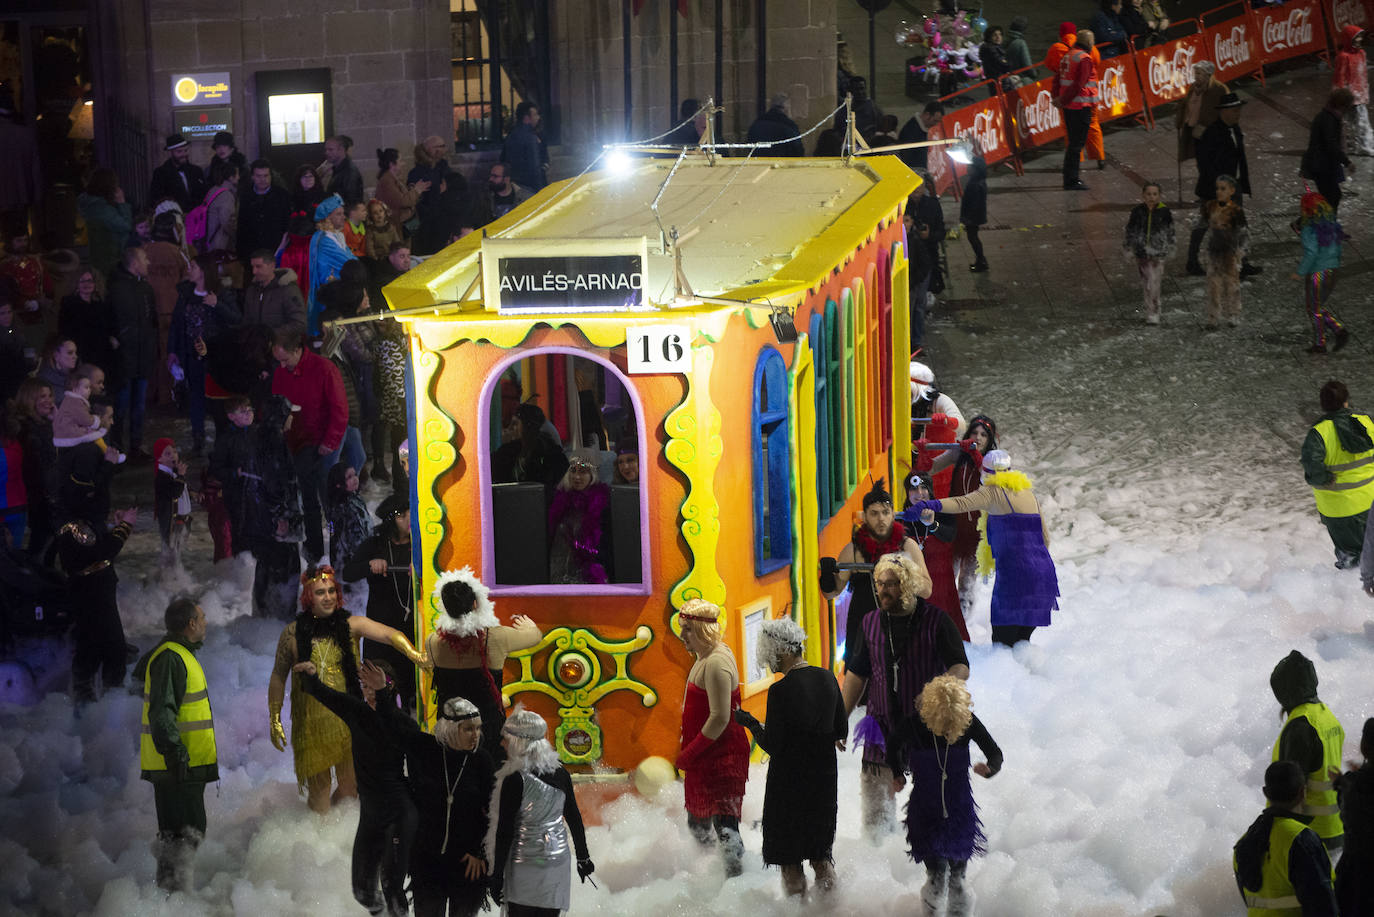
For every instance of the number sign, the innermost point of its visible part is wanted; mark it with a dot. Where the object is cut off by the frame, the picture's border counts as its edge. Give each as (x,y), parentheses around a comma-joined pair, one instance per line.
(658,349)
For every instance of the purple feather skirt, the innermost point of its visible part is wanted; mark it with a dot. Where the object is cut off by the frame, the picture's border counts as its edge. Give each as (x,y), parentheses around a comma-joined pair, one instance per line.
(947,829)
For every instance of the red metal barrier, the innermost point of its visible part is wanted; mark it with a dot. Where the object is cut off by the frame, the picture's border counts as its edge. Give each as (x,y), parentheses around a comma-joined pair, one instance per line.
(1291,30)
(1036,119)
(985,123)
(1166,71)
(1350,12)
(1118,89)
(1234,48)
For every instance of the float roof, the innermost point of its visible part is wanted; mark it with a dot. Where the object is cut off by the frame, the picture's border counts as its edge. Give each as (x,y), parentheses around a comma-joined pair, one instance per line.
(756,228)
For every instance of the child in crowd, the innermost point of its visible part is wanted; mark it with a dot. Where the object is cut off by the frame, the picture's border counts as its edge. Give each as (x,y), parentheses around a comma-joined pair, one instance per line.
(942,825)
(1321,255)
(1225,241)
(381,232)
(1351,72)
(355,230)
(231,465)
(973,210)
(73,423)
(84,474)
(171,500)
(1150,239)
(347,514)
(273,521)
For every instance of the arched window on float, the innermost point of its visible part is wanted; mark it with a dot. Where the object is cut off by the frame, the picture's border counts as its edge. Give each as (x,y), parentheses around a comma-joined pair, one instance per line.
(772,460)
(562,493)
(834,384)
(884,294)
(816,332)
(851,406)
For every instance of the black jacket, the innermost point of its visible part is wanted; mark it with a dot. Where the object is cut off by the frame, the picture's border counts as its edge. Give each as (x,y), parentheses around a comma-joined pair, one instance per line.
(1221,151)
(168,183)
(233,453)
(774,125)
(1325,154)
(346,182)
(388,594)
(262,220)
(378,762)
(973,208)
(1309,867)
(91,325)
(1355,871)
(135,313)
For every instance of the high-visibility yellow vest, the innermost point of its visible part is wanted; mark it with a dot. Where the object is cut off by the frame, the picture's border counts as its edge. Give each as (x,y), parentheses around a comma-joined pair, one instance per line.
(1275,894)
(1320,802)
(195,722)
(1353,489)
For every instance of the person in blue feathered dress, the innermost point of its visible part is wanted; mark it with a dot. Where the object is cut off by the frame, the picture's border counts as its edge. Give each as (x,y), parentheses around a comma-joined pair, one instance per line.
(328,253)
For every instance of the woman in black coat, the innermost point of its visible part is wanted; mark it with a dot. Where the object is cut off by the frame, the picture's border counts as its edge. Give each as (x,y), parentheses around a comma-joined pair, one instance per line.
(806,718)
(87,319)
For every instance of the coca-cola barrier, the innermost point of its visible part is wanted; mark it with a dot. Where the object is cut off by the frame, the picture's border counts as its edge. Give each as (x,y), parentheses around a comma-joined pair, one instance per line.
(1135,83)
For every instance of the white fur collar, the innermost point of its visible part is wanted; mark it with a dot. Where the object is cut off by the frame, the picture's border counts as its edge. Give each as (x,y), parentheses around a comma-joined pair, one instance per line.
(482,616)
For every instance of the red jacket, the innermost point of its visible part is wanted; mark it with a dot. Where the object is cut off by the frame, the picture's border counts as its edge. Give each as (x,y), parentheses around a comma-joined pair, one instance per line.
(315,385)
(1350,67)
(1076,84)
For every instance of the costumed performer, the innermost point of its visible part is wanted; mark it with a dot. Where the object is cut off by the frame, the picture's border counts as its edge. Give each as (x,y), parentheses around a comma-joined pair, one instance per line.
(327,635)
(469,647)
(715,749)
(386,821)
(328,254)
(533,810)
(805,717)
(980,438)
(580,526)
(935,533)
(1026,589)
(906,642)
(942,826)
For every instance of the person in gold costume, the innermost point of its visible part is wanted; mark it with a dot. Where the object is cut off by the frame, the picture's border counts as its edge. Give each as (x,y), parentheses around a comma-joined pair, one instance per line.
(327,635)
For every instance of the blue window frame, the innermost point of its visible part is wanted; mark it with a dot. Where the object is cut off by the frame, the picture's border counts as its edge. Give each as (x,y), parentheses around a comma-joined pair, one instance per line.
(819,356)
(772,465)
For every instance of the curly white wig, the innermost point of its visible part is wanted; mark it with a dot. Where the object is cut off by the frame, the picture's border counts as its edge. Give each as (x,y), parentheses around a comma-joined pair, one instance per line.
(778,637)
(467,622)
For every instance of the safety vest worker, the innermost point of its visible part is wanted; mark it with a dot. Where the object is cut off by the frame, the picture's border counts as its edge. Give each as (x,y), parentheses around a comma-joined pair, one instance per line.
(1280,864)
(1311,738)
(1338,463)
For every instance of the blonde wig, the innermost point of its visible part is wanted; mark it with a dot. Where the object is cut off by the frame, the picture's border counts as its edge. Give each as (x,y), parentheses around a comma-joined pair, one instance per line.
(915,581)
(704,617)
(946,707)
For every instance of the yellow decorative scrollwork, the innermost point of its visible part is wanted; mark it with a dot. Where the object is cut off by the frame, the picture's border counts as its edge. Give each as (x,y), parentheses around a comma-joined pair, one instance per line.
(695,447)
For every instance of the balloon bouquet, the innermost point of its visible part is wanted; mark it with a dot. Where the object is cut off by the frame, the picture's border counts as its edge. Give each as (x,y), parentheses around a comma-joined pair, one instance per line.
(951,39)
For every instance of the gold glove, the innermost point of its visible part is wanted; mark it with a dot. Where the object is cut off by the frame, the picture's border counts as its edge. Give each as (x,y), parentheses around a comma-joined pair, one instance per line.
(277,732)
(403,646)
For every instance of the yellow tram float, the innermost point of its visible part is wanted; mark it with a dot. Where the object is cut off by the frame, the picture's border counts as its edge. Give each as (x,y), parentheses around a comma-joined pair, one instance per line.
(743,325)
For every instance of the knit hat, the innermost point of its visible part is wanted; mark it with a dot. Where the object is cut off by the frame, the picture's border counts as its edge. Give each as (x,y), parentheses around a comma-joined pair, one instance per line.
(1067,28)
(1019,23)
(223,138)
(327,206)
(175,142)
(160,445)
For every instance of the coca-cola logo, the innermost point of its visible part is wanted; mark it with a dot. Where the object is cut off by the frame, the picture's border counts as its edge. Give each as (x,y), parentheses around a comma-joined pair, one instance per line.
(1349,12)
(983,131)
(936,164)
(1171,75)
(1113,92)
(1231,50)
(1285,34)
(1039,117)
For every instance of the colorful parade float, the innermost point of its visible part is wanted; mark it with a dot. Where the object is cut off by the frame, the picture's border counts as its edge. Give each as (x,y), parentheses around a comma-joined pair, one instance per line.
(740,325)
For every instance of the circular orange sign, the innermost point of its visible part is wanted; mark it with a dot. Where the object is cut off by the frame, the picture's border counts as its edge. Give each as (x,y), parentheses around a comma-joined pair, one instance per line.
(186,89)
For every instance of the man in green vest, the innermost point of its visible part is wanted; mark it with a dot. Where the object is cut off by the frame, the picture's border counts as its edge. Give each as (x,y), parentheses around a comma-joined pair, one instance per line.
(1312,738)
(177,745)
(1281,866)
(1338,462)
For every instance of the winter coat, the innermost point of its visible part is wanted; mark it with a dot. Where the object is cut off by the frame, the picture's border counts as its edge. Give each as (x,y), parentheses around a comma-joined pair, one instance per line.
(485,208)
(91,325)
(277,304)
(184,184)
(994,60)
(774,126)
(1355,871)
(346,182)
(1018,52)
(913,131)
(262,220)
(73,423)
(1188,134)
(973,208)
(1318,257)
(221,230)
(40,468)
(348,528)
(131,298)
(1325,156)
(378,242)
(193,319)
(233,453)
(1350,71)
(526,154)
(1221,151)
(1294,683)
(399,199)
(108,225)
(1149,233)
(272,495)
(1107,27)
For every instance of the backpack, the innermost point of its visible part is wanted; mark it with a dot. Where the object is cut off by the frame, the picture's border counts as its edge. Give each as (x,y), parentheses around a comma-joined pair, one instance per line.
(198,220)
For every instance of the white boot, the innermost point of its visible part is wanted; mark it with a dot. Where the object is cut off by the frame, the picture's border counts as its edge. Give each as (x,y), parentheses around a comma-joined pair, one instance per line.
(732,852)
(878,802)
(933,892)
(960,895)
